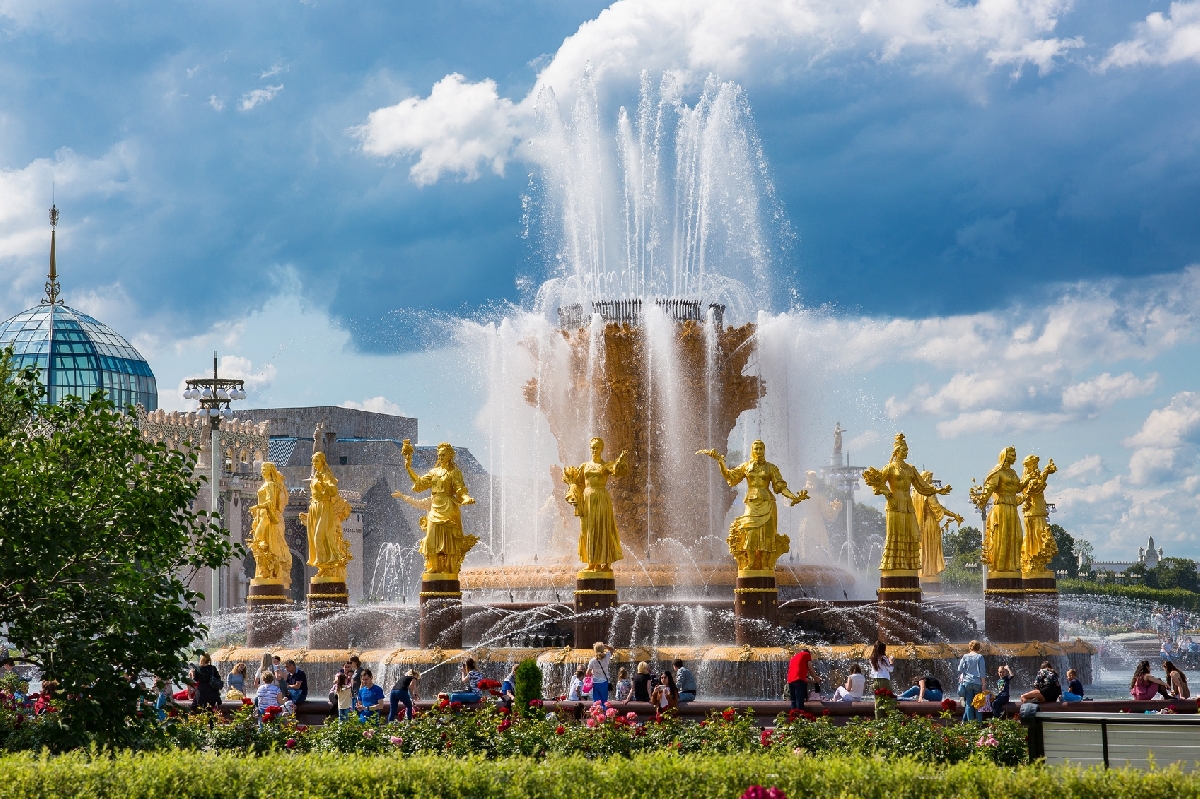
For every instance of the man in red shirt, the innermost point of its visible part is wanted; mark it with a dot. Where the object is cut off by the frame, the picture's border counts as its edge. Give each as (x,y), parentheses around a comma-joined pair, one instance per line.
(799,672)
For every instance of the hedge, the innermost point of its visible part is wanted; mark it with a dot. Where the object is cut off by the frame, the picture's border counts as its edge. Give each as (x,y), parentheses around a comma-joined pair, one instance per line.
(213,776)
(1175,597)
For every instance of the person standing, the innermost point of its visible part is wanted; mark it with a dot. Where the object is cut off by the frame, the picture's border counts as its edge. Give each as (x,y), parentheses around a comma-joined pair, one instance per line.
(343,696)
(356,671)
(685,681)
(296,681)
(799,672)
(643,683)
(971,671)
(208,684)
(369,696)
(881,678)
(263,668)
(600,666)
(403,693)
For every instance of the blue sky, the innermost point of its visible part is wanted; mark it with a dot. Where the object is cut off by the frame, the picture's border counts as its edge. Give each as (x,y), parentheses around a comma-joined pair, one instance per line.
(277,180)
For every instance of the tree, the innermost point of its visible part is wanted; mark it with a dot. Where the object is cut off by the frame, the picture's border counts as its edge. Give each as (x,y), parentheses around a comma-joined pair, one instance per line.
(1174,573)
(963,544)
(868,522)
(1067,558)
(97,541)
(527,686)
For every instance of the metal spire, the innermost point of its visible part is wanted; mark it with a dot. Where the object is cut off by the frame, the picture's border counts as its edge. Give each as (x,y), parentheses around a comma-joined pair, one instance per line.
(52,287)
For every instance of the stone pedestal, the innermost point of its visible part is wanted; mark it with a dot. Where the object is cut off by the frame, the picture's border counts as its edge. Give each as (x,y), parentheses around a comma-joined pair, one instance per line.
(267,614)
(1004,608)
(899,606)
(326,603)
(755,607)
(594,591)
(441,611)
(1041,605)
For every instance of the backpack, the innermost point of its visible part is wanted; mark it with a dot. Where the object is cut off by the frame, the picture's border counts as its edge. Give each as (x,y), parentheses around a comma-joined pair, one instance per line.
(215,682)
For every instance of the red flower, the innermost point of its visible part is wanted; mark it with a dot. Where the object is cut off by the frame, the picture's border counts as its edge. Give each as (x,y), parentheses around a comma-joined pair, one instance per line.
(172,712)
(247,701)
(291,743)
(504,725)
(728,714)
(949,705)
(535,703)
(759,792)
(765,737)
(455,705)
(825,712)
(503,711)
(559,730)
(487,685)
(301,727)
(704,724)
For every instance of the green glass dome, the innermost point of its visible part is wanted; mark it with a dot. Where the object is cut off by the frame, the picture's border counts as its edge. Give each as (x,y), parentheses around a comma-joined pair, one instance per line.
(78,355)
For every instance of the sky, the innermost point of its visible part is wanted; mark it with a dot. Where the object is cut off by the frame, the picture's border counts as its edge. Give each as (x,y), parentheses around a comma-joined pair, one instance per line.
(993,207)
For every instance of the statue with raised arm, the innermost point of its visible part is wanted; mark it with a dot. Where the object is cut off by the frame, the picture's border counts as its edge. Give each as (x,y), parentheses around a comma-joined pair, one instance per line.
(1002,532)
(328,549)
(272,557)
(1039,547)
(930,515)
(896,481)
(754,539)
(444,545)
(587,491)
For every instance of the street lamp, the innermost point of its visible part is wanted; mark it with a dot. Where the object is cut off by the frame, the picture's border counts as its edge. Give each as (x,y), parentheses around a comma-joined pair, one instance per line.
(215,395)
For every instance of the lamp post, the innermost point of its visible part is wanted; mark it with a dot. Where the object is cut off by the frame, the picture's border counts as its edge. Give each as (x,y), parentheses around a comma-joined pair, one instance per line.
(215,395)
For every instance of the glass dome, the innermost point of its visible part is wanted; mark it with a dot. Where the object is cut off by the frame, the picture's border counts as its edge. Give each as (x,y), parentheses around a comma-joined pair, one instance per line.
(77,355)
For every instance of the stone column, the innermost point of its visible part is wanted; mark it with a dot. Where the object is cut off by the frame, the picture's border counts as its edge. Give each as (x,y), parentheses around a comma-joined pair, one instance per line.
(327,601)
(267,608)
(1041,605)
(441,611)
(755,607)
(1004,607)
(899,606)
(594,591)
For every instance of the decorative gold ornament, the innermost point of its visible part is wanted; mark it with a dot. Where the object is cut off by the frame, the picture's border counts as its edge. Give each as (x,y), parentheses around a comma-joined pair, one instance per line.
(328,549)
(930,515)
(896,481)
(444,545)
(753,539)
(1039,547)
(272,557)
(587,491)
(1002,532)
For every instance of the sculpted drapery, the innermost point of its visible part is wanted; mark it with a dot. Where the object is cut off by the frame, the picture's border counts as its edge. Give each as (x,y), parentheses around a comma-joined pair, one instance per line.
(272,557)
(587,490)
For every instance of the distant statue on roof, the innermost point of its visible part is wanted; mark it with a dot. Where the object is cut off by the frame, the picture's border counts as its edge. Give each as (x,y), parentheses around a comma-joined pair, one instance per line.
(444,546)
(837,438)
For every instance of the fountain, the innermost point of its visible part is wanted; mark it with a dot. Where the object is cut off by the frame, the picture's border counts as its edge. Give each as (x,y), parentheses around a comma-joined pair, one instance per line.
(654,332)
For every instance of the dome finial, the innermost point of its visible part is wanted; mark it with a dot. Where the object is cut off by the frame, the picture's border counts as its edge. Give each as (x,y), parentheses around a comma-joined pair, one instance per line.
(52,287)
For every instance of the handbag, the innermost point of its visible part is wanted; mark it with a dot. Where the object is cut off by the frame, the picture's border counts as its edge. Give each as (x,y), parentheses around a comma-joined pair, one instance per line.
(587,685)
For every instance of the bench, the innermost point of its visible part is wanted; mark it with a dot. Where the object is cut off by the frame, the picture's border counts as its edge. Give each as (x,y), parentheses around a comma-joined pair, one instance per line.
(1118,740)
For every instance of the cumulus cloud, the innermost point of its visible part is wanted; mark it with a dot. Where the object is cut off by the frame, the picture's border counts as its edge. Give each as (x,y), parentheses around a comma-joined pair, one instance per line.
(459,128)
(464,126)
(1100,392)
(216,103)
(257,97)
(375,405)
(1168,439)
(1160,39)
(1087,465)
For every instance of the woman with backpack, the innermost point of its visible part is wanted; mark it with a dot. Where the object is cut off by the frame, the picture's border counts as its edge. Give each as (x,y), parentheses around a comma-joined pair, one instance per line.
(208,684)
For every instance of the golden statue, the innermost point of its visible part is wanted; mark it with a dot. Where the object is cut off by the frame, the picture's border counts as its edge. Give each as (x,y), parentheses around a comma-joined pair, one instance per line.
(587,490)
(1039,547)
(328,549)
(753,537)
(902,543)
(1002,533)
(930,514)
(272,557)
(444,545)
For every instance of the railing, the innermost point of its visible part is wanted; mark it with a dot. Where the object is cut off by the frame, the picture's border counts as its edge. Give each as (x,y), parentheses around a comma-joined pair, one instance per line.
(629,312)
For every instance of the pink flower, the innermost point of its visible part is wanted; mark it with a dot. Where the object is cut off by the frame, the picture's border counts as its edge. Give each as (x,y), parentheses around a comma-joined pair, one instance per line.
(631,717)
(611,713)
(368,733)
(591,722)
(396,740)
(291,743)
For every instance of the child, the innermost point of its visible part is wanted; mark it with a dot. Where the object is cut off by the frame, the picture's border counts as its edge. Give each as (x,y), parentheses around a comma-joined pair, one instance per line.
(1003,680)
(624,685)
(1074,692)
(268,693)
(575,693)
(163,700)
(345,695)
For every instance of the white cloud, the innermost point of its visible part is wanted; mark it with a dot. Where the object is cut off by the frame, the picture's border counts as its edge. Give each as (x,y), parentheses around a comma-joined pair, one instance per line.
(1087,465)
(1160,39)
(258,97)
(462,126)
(996,422)
(1101,392)
(459,128)
(1167,438)
(375,405)
(216,103)
(276,68)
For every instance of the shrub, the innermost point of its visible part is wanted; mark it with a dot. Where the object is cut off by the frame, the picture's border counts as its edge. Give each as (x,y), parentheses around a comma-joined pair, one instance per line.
(527,687)
(1175,597)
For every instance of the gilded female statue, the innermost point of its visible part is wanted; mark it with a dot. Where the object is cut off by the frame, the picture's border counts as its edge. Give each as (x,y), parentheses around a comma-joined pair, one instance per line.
(754,539)
(328,549)
(930,513)
(272,557)
(444,545)
(1039,547)
(813,533)
(896,481)
(1002,533)
(587,490)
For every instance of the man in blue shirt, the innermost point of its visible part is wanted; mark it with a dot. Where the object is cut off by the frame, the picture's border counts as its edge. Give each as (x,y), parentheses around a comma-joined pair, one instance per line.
(297,682)
(369,695)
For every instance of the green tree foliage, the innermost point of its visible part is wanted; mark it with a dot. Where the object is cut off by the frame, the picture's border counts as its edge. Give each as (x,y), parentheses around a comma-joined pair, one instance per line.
(97,542)
(867,522)
(963,543)
(527,686)
(1067,558)
(1173,573)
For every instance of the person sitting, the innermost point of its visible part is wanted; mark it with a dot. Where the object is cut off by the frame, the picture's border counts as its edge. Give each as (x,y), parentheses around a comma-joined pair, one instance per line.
(470,680)
(297,682)
(624,685)
(1145,685)
(665,695)
(643,683)
(575,692)
(268,694)
(852,691)
(1074,692)
(686,682)
(1004,678)
(1190,646)
(924,689)
(1167,651)
(1046,686)
(1177,680)
(369,696)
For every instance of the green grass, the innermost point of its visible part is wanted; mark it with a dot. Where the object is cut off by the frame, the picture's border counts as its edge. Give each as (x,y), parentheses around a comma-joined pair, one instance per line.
(285,776)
